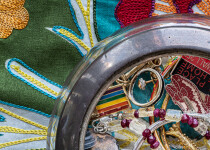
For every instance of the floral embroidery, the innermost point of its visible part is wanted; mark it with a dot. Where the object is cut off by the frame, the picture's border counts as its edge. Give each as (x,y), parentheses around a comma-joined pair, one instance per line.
(185,6)
(12,15)
(128,11)
(83,18)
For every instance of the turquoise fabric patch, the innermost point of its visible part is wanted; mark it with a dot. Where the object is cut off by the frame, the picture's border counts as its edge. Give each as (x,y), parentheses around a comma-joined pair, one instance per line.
(106,22)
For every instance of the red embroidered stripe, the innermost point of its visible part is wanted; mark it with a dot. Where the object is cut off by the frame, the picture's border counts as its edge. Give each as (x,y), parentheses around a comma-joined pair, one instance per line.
(114,110)
(112,107)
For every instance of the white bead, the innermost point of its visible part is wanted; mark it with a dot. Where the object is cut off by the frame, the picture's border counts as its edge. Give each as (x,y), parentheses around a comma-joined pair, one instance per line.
(137,126)
(173,115)
(146,112)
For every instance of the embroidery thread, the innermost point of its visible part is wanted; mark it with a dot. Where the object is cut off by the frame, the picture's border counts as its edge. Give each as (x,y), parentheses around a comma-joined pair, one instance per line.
(35,80)
(12,15)
(22,131)
(127,11)
(86,41)
(25,108)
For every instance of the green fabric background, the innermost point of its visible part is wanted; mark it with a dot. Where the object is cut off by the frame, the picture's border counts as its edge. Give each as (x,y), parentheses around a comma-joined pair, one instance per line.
(40,49)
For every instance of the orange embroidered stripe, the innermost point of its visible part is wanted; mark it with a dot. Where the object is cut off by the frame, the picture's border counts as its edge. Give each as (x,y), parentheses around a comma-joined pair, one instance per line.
(154,14)
(207,2)
(164,8)
(113,106)
(204,8)
(166,1)
(117,101)
(170,2)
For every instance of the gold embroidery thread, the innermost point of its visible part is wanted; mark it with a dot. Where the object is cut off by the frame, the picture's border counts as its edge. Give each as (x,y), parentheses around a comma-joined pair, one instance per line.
(13,16)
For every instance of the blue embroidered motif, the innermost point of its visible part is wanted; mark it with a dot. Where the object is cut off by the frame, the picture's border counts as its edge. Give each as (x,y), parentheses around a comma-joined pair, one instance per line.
(41,76)
(2,119)
(77,25)
(25,108)
(67,38)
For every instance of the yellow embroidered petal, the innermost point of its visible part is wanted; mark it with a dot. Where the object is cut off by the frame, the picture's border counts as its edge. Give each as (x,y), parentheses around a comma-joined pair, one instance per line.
(11,4)
(21,18)
(12,15)
(5,29)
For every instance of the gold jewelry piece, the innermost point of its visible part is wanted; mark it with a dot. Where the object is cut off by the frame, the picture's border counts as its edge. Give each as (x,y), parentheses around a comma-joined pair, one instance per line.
(156,97)
(162,129)
(186,142)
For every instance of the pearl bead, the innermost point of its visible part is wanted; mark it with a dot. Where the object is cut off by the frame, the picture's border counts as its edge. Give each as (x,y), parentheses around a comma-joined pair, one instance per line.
(151,139)
(155,145)
(156,112)
(146,132)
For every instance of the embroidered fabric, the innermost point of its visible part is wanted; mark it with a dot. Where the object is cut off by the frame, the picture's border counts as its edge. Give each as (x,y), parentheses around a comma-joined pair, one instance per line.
(12,15)
(31,130)
(129,11)
(185,6)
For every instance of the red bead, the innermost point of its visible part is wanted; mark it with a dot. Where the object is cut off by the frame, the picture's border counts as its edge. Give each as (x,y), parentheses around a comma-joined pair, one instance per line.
(123,123)
(155,145)
(185,118)
(146,132)
(156,112)
(162,113)
(136,113)
(190,120)
(207,135)
(128,122)
(151,139)
(194,123)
